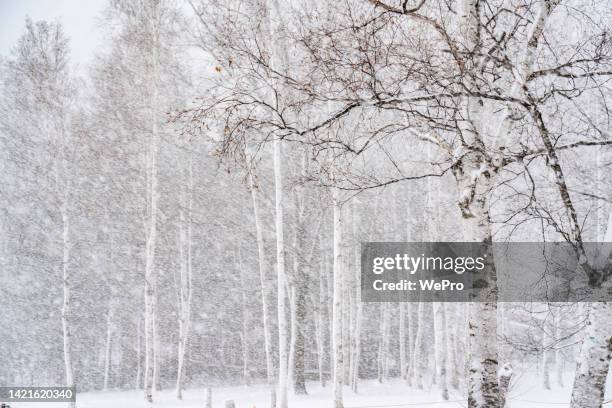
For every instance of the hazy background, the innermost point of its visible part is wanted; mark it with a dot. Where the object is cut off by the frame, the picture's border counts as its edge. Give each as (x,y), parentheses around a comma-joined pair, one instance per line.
(80,20)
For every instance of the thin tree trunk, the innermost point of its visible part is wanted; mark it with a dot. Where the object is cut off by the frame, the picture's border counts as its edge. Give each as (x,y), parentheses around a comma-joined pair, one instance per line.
(107,348)
(357,304)
(383,346)
(245,324)
(148,340)
(283,330)
(547,354)
(358,317)
(185,283)
(322,324)
(299,290)
(346,310)
(412,330)
(338,370)
(299,379)
(402,340)
(66,298)
(261,252)
(151,237)
(452,322)
(417,366)
(156,343)
(440,348)
(559,360)
(138,355)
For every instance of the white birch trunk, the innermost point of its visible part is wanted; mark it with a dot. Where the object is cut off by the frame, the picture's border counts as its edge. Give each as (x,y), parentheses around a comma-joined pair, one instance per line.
(151,357)
(66,297)
(261,252)
(156,343)
(148,375)
(299,293)
(346,310)
(547,353)
(473,182)
(594,359)
(452,315)
(440,348)
(559,359)
(356,331)
(385,338)
(107,349)
(245,324)
(402,340)
(283,330)
(595,352)
(138,356)
(411,333)
(321,324)
(185,294)
(338,371)
(357,353)
(417,366)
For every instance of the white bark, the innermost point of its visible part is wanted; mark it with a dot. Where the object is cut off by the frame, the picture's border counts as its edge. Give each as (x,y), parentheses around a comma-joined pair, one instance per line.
(245,325)
(278,51)
(524,66)
(283,329)
(484,388)
(452,352)
(148,376)
(299,289)
(185,283)
(383,345)
(595,352)
(107,348)
(547,352)
(357,353)
(594,359)
(156,343)
(473,182)
(66,298)
(322,323)
(440,345)
(337,352)
(559,358)
(417,363)
(505,376)
(411,332)
(151,357)
(356,329)
(346,306)
(138,356)
(150,277)
(402,339)
(261,256)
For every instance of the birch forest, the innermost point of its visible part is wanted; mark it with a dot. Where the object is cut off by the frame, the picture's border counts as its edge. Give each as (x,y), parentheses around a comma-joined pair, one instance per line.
(181,217)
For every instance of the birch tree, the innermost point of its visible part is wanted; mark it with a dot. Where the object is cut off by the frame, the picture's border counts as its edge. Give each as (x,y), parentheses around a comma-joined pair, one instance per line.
(146,31)
(39,85)
(185,279)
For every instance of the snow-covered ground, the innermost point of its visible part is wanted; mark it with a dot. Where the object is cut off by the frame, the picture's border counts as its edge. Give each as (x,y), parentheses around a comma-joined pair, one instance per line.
(526,392)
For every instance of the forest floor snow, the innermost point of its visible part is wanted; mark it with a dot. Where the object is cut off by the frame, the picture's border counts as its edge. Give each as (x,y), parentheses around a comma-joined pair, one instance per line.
(527,392)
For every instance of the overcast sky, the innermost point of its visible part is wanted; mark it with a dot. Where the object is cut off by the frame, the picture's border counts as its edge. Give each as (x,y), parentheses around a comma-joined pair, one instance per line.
(79,18)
